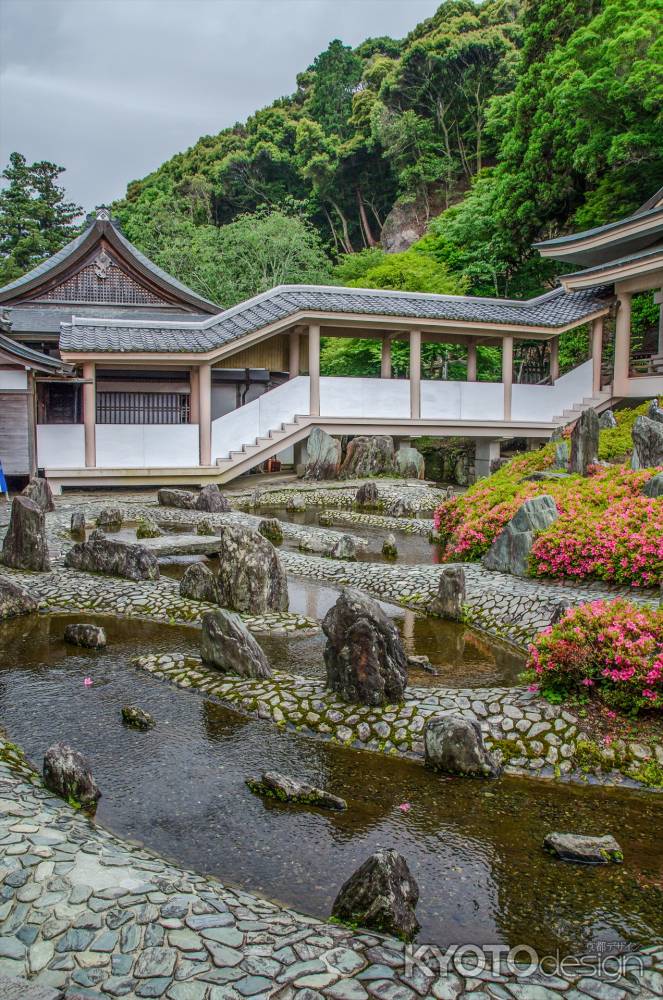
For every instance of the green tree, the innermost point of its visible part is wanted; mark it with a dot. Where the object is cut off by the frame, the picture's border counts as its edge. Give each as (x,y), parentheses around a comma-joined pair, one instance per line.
(35,219)
(336,73)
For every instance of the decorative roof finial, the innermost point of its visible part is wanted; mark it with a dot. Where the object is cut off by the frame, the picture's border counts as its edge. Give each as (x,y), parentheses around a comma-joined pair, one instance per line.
(102,214)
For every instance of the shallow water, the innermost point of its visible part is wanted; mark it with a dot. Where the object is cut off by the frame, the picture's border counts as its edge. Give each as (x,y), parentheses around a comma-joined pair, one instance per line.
(473,846)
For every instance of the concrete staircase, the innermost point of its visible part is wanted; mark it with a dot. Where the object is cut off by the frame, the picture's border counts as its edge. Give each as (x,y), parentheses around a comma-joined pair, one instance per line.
(262,448)
(599,402)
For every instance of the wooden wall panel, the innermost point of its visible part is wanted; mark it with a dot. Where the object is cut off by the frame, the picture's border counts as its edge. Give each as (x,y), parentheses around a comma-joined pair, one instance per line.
(272,354)
(14,434)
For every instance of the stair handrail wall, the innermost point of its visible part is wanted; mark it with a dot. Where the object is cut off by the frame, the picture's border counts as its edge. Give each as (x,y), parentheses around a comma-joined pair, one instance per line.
(256,419)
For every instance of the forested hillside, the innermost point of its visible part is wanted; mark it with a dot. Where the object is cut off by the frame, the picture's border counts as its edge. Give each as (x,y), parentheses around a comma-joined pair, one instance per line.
(490,126)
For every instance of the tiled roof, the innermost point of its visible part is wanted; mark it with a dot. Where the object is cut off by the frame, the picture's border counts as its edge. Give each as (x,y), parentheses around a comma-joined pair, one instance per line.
(33,358)
(40,318)
(553,310)
(608,265)
(653,212)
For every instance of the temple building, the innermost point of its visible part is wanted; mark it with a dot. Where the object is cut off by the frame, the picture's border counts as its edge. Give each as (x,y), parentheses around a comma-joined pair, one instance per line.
(112,372)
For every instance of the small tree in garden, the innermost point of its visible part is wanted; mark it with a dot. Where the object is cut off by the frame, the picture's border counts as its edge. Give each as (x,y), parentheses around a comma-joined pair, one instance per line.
(612,650)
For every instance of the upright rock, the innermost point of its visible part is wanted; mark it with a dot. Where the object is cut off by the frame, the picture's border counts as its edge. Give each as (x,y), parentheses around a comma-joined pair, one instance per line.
(410,463)
(39,490)
(381,895)
(14,601)
(251,574)
(369,456)
(584,443)
(227,644)
(199,584)
(647,443)
(147,528)
(296,504)
(364,655)
(510,551)
(655,412)
(455,745)
(450,598)
(78,523)
(323,455)
(110,517)
(654,487)
(607,420)
(100,554)
(368,495)
(561,460)
(212,500)
(67,774)
(184,499)
(270,528)
(343,548)
(389,547)
(24,545)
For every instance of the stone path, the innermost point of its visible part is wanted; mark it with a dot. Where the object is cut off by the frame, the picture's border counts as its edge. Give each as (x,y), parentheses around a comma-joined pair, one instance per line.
(85,912)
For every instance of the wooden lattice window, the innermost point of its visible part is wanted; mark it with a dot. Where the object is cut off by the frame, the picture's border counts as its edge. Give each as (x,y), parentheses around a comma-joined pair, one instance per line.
(143,408)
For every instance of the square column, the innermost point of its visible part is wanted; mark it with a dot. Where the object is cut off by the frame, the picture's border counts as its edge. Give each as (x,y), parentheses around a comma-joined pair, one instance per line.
(90,413)
(415,374)
(658,299)
(507,374)
(471,360)
(194,398)
(597,352)
(385,360)
(554,359)
(205,413)
(293,365)
(486,451)
(622,342)
(314,369)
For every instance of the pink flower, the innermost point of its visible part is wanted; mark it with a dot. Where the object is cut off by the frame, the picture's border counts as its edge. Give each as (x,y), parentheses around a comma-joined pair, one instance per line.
(404,807)
(88,682)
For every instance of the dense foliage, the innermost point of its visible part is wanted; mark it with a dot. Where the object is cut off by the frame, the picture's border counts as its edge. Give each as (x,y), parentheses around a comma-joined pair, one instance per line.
(606,528)
(612,650)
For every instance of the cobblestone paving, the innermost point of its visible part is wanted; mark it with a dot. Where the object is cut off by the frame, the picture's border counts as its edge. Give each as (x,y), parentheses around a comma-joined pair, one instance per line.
(82,910)
(420,496)
(408,525)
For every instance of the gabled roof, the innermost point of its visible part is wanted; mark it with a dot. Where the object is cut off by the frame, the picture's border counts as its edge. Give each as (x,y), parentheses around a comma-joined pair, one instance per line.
(103,230)
(552,311)
(616,270)
(32,359)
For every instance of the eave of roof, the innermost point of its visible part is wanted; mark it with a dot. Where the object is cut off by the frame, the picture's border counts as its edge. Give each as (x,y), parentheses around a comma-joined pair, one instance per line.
(33,359)
(603,243)
(288,303)
(614,270)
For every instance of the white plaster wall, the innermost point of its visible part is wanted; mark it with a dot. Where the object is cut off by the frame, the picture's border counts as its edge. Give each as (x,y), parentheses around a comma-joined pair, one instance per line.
(280,405)
(60,446)
(543,402)
(145,446)
(234,429)
(259,417)
(364,397)
(462,400)
(13,378)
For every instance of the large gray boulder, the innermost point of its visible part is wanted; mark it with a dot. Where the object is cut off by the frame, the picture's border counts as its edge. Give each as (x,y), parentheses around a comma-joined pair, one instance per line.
(199,584)
(251,574)
(410,463)
(212,500)
(369,456)
(586,850)
(381,895)
(343,548)
(14,601)
(607,420)
(275,785)
(67,774)
(584,443)
(455,745)
(110,517)
(227,644)
(654,487)
(24,545)
(39,490)
(184,499)
(323,455)
(510,550)
(450,598)
(647,443)
(100,554)
(364,655)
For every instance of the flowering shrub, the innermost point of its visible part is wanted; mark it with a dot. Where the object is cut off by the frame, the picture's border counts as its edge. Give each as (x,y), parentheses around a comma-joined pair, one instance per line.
(606,529)
(609,649)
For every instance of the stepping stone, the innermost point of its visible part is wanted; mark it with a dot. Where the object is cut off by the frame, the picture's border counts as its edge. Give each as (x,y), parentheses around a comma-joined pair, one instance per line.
(21,989)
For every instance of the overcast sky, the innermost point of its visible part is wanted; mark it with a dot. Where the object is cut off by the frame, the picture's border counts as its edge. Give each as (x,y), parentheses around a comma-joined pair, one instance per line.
(109,89)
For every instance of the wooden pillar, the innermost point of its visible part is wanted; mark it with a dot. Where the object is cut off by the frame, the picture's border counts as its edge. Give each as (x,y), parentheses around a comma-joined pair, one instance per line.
(314,369)
(622,342)
(507,374)
(597,353)
(658,299)
(415,374)
(554,359)
(205,413)
(471,360)
(194,397)
(90,413)
(385,361)
(32,422)
(293,364)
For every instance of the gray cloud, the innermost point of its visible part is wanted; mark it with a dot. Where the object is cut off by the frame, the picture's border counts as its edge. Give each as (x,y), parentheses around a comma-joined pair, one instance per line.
(111,88)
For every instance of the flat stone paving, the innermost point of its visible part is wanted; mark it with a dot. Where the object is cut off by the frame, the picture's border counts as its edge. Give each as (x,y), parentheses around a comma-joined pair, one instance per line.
(83,911)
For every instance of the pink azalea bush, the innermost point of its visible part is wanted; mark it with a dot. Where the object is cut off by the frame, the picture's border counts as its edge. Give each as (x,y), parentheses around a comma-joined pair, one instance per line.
(612,650)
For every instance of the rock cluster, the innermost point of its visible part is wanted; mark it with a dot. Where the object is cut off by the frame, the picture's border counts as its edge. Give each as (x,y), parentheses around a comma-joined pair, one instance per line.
(100,554)
(227,644)
(39,490)
(584,443)
(510,550)
(364,655)
(14,600)
(67,774)
(369,456)
(586,850)
(273,784)
(323,455)
(455,745)
(24,545)
(88,636)
(450,598)
(381,895)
